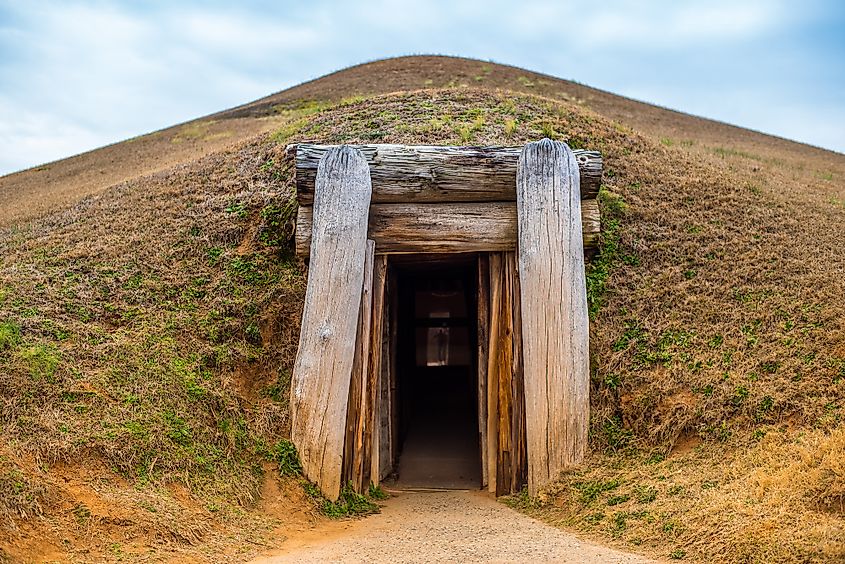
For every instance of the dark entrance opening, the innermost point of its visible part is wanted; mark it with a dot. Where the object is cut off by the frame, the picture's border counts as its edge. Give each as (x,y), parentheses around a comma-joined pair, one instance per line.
(436,372)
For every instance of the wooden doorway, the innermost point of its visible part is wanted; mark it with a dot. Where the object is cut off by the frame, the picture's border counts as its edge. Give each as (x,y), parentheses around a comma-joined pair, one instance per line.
(437,372)
(528,214)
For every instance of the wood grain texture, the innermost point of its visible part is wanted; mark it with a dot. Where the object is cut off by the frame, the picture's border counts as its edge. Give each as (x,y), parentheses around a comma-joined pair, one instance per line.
(506,420)
(483,282)
(518,455)
(323,367)
(356,458)
(393,387)
(405,173)
(494,277)
(375,367)
(445,228)
(555,327)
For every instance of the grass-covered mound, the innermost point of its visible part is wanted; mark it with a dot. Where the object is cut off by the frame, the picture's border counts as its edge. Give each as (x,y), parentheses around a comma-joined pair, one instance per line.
(150,330)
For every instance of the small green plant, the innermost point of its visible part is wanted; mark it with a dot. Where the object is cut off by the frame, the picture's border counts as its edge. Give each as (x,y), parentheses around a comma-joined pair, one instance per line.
(645,493)
(214,254)
(253,333)
(279,390)
(178,430)
(244,268)
(617,499)
(521,500)
(466,131)
(284,454)
(270,167)
(349,504)
(590,490)
(675,489)
(678,554)
(716,341)
(43,360)
(612,380)
(594,518)
(632,334)
(277,223)
(288,130)
(510,127)
(598,271)
(619,524)
(615,434)
(739,396)
(376,492)
(10,335)
(238,209)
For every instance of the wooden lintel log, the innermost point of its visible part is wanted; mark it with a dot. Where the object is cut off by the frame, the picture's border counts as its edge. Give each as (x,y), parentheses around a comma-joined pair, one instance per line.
(555,327)
(323,368)
(445,228)
(423,173)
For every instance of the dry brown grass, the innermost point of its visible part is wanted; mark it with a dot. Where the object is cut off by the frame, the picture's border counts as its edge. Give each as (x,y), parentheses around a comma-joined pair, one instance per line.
(779,500)
(151,328)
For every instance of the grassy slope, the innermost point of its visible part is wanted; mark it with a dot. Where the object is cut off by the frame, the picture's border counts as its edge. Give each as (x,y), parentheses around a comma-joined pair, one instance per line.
(149,329)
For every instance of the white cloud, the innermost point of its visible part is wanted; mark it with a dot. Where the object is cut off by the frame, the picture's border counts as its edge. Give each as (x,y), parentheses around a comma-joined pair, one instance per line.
(649,26)
(78,74)
(235,32)
(34,137)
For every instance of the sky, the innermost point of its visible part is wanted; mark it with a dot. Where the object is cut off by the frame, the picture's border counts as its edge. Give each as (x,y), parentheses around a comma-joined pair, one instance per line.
(76,75)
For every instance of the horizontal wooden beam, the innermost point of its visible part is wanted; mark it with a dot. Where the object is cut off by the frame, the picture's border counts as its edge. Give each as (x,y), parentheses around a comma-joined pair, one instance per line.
(424,173)
(445,228)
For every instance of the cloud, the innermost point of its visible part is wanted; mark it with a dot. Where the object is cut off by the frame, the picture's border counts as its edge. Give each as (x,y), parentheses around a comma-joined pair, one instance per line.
(24,134)
(212,32)
(78,74)
(650,26)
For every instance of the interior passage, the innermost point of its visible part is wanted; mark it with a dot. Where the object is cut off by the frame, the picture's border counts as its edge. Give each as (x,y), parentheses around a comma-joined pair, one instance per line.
(437,376)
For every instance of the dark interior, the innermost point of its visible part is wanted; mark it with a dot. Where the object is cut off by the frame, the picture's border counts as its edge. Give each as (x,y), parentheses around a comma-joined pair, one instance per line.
(437,374)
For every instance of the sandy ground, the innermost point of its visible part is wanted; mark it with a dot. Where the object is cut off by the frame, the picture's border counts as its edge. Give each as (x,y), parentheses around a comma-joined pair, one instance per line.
(452,526)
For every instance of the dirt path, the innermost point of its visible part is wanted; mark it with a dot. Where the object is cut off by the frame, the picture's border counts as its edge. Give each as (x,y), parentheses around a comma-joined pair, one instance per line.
(444,527)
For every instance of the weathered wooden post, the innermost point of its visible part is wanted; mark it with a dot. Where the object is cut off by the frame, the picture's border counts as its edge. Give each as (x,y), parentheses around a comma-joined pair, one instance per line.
(555,326)
(324,361)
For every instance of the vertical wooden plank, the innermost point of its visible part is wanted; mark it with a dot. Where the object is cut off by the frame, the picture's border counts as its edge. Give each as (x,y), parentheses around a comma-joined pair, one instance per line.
(356,455)
(394,366)
(555,332)
(495,261)
(323,367)
(483,346)
(517,428)
(375,369)
(506,407)
(387,375)
(504,367)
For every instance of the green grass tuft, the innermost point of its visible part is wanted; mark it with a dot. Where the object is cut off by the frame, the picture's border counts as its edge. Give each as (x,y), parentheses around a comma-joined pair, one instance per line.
(599,269)
(284,454)
(349,504)
(10,335)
